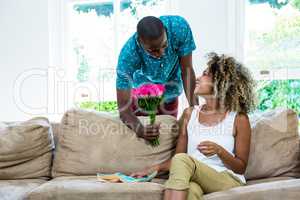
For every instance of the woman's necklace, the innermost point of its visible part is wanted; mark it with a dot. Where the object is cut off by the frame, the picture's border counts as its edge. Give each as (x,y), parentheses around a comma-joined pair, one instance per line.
(211,113)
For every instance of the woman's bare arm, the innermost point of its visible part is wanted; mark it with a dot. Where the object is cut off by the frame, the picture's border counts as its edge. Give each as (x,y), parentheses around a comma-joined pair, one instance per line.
(238,163)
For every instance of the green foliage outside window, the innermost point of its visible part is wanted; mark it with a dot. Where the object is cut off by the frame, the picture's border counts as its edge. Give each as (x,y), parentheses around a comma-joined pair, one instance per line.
(106,106)
(106,8)
(296,4)
(83,65)
(273,3)
(277,3)
(280,93)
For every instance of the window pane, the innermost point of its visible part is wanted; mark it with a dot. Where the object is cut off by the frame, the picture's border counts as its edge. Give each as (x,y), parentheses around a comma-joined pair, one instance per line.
(91,42)
(273,33)
(98,30)
(273,36)
(132,11)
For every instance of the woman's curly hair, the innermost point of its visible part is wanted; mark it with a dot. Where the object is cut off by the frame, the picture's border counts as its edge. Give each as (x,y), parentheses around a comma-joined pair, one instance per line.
(233,83)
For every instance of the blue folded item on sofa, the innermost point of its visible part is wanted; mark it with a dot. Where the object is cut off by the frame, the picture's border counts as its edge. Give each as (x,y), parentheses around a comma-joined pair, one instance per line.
(124,178)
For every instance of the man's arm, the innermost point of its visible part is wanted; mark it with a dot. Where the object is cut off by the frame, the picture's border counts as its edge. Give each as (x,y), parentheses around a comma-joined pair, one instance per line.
(189,78)
(186,46)
(126,115)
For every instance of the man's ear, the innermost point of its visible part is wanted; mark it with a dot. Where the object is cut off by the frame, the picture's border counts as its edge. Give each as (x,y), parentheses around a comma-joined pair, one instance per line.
(141,40)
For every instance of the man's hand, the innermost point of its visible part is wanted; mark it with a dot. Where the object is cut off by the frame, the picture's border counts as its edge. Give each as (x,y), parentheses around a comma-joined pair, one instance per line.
(149,132)
(209,148)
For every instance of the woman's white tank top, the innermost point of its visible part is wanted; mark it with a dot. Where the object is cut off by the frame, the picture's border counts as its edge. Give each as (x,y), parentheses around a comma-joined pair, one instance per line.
(221,134)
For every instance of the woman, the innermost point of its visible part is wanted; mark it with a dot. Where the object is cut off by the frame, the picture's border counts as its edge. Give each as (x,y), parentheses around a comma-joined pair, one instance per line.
(214,139)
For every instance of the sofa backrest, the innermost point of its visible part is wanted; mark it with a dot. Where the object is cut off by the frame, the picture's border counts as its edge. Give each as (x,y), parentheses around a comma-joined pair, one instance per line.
(55,130)
(89,142)
(266,134)
(25,149)
(275,145)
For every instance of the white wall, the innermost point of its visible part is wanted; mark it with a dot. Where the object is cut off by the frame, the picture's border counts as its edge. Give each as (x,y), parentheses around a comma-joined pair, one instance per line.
(211,22)
(23,46)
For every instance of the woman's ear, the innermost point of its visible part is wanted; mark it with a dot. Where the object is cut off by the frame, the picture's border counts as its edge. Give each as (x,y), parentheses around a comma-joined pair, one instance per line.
(214,91)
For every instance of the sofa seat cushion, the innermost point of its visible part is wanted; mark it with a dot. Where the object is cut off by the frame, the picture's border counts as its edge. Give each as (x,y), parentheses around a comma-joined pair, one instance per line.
(266,180)
(275,190)
(159,180)
(87,187)
(249,182)
(18,189)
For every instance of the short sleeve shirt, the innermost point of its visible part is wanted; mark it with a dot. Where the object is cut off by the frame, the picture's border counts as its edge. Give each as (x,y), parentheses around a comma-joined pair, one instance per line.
(137,67)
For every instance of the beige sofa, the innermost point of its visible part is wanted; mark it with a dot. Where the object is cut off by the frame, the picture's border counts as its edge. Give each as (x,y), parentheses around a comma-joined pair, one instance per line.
(59,161)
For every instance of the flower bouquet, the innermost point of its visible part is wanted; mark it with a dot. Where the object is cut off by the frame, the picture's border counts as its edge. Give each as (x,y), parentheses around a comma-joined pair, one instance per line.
(149,97)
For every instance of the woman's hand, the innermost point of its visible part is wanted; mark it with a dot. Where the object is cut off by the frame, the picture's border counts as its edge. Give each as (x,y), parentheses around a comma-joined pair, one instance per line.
(147,171)
(209,148)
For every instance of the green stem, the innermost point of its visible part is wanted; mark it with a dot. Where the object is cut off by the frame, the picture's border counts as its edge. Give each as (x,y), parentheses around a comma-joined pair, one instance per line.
(152,116)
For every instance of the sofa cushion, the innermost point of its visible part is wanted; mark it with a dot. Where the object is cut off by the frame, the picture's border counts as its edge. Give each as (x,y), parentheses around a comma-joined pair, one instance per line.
(266,180)
(275,190)
(18,189)
(250,182)
(159,180)
(55,129)
(25,149)
(91,142)
(87,187)
(274,147)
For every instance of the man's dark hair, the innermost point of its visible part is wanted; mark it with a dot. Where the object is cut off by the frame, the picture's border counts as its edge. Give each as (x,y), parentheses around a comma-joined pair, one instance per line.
(150,28)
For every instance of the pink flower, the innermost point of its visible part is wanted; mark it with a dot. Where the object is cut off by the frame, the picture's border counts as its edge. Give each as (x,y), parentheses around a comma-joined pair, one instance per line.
(149,90)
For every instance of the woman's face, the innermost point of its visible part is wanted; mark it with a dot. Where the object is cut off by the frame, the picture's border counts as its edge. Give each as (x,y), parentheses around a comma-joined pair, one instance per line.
(204,84)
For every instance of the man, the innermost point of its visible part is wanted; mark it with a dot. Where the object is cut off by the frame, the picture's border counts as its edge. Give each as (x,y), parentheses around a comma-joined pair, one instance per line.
(160,52)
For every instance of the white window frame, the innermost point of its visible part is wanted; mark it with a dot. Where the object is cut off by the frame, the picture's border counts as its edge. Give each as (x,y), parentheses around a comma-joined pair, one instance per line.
(236,28)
